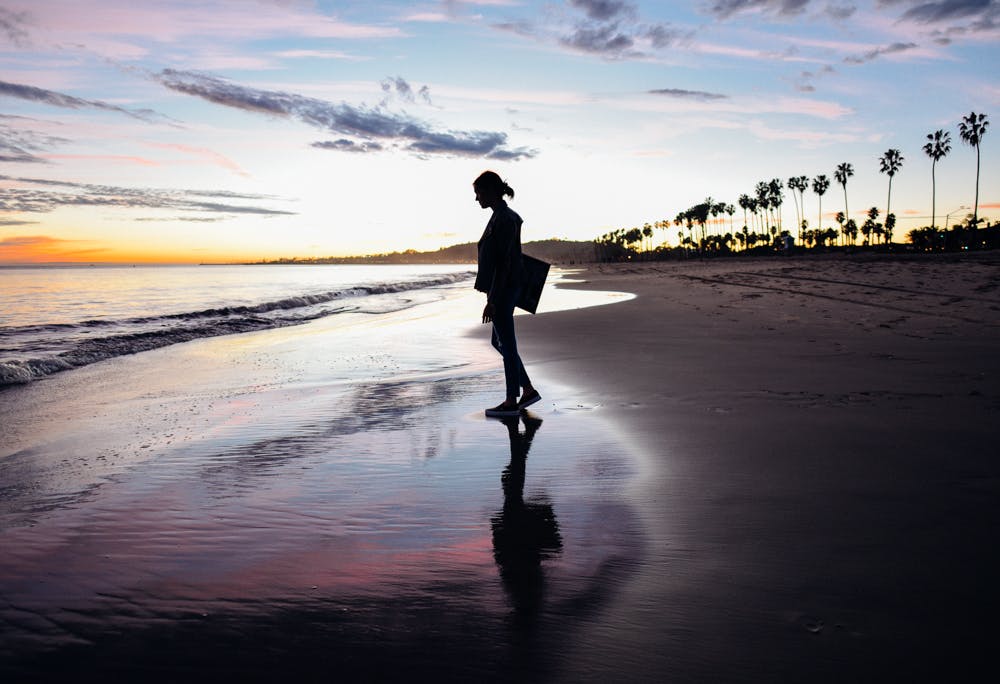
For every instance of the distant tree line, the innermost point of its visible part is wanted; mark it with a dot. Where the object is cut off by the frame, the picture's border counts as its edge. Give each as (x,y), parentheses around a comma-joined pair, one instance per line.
(707,228)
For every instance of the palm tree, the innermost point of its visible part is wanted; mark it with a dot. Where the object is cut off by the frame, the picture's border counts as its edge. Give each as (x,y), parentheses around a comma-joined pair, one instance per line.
(802,186)
(713,210)
(800,183)
(938,145)
(753,205)
(890,224)
(763,203)
(889,164)
(972,129)
(843,172)
(774,188)
(793,185)
(820,185)
(870,228)
(699,214)
(664,225)
(851,228)
(744,202)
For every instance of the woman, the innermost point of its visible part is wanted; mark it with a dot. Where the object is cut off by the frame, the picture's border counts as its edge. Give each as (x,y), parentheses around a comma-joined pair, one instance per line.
(500,276)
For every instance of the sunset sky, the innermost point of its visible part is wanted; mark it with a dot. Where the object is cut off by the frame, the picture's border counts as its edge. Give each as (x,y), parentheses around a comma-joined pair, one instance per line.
(218,130)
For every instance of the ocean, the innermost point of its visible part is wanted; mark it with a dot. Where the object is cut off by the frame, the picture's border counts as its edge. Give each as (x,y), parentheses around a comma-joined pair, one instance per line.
(55,319)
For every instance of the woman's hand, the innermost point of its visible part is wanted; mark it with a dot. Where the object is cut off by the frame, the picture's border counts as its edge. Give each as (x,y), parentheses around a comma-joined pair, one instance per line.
(489,312)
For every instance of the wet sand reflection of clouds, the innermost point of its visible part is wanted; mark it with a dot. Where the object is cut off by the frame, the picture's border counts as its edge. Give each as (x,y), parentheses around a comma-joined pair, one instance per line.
(366,532)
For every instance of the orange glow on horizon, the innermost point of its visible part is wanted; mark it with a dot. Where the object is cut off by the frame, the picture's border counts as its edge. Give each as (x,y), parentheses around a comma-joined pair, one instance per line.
(43,249)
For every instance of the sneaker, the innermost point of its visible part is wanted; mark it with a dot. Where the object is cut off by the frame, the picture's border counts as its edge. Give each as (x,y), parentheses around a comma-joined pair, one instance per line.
(530,399)
(504,410)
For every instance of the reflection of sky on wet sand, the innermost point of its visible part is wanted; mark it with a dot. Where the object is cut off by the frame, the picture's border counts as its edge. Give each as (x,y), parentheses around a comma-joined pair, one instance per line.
(362,533)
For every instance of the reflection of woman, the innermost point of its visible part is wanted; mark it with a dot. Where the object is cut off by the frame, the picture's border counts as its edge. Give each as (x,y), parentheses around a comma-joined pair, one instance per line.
(501,276)
(524,532)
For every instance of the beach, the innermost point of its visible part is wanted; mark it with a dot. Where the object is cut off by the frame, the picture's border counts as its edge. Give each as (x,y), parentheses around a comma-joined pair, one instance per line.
(775,469)
(822,498)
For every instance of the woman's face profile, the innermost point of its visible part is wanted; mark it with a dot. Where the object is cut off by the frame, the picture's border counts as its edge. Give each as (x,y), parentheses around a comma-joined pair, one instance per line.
(484,198)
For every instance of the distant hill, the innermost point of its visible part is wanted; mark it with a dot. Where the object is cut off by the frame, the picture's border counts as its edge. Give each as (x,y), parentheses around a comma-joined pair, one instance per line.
(553,251)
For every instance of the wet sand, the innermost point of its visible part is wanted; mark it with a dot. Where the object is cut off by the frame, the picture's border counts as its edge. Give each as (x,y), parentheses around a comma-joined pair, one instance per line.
(311,503)
(767,470)
(823,498)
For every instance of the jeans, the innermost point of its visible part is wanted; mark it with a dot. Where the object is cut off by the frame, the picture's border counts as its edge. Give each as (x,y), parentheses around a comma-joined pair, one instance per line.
(505,343)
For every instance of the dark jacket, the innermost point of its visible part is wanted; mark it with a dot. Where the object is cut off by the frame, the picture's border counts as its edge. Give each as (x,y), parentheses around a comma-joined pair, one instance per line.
(500,268)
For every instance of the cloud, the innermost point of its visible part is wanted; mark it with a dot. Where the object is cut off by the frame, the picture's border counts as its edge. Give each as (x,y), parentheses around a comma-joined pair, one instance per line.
(604,10)
(174,21)
(27,240)
(724,9)
(370,125)
(189,219)
(318,54)
(15,222)
(840,12)
(426,17)
(30,248)
(613,29)
(12,26)
(610,29)
(345,145)
(984,15)
(14,154)
(606,39)
(67,193)
(878,52)
(19,145)
(806,79)
(50,97)
(399,87)
(688,94)
(205,155)
(944,10)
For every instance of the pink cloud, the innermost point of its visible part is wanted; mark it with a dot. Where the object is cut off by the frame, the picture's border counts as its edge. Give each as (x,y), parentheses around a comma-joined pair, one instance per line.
(120,158)
(173,20)
(204,154)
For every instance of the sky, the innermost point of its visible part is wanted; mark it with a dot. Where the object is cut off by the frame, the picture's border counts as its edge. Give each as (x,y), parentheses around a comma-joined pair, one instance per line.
(237,130)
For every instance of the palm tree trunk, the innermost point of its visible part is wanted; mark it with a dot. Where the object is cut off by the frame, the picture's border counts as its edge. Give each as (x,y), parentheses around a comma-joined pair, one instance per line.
(847,213)
(933,194)
(975,209)
(802,202)
(798,219)
(888,200)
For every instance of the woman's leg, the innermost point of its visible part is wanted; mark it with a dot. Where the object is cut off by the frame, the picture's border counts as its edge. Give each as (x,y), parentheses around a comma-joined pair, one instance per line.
(505,342)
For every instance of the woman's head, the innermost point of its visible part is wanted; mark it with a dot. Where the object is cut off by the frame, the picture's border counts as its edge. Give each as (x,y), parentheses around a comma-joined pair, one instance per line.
(490,187)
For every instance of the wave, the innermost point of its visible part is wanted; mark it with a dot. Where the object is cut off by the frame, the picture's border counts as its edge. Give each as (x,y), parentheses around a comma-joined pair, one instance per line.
(139,334)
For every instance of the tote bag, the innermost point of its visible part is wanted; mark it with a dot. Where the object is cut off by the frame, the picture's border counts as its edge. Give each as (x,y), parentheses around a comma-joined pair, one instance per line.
(535,271)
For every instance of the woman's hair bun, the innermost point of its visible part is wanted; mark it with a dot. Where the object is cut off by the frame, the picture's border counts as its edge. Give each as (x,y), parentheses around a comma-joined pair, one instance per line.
(490,181)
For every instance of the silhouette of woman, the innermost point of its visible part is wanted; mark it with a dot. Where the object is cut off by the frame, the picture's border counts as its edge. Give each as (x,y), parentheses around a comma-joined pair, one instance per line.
(501,275)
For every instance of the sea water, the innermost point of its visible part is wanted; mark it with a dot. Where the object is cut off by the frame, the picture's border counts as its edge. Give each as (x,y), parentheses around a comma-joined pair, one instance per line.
(59,318)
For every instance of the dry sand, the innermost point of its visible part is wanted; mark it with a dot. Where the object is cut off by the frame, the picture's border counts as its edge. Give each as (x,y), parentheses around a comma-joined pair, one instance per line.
(822,490)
